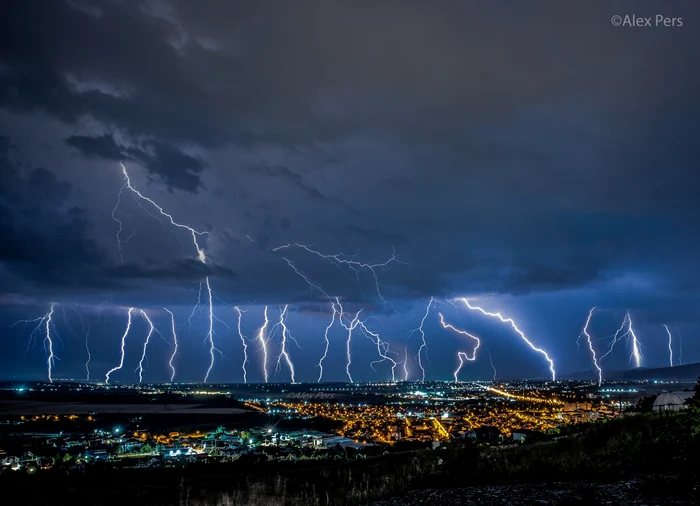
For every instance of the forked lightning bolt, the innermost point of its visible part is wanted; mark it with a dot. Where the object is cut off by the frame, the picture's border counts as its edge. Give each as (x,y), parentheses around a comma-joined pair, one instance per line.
(616,337)
(341,259)
(172,357)
(353,323)
(382,349)
(123,347)
(243,342)
(145,345)
(585,333)
(195,233)
(405,363)
(284,354)
(325,337)
(517,330)
(43,323)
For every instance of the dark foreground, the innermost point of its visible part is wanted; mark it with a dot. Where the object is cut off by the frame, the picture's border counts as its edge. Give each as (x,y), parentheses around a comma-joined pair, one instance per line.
(651,491)
(641,459)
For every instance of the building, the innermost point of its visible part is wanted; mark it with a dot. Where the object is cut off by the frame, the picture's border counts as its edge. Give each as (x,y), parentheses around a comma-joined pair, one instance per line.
(671,401)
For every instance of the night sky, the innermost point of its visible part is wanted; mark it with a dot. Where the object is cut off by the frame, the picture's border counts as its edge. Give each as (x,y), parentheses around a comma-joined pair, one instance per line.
(533,158)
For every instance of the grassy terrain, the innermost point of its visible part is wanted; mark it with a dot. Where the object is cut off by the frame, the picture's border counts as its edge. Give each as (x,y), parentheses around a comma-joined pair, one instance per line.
(657,447)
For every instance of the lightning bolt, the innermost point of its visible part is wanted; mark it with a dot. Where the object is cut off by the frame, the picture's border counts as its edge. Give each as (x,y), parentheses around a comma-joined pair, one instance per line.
(382,349)
(210,333)
(283,353)
(325,337)
(585,333)
(145,344)
(670,345)
(341,259)
(423,345)
(263,343)
(121,360)
(518,331)
(172,357)
(355,321)
(48,343)
(491,362)
(449,326)
(86,331)
(195,234)
(243,342)
(405,363)
(460,355)
(636,354)
(43,323)
(615,338)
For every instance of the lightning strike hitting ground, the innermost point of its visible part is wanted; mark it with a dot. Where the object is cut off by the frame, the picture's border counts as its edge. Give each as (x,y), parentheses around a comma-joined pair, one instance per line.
(195,234)
(284,353)
(43,323)
(405,363)
(520,333)
(145,344)
(244,343)
(325,337)
(585,333)
(464,333)
(48,343)
(636,354)
(670,345)
(355,321)
(210,333)
(172,357)
(461,356)
(262,339)
(423,345)
(123,346)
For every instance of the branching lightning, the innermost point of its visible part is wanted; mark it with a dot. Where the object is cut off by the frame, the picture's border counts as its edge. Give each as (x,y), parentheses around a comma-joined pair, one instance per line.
(123,347)
(43,323)
(382,349)
(244,343)
(145,344)
(423,345)
(341,259)
(172,357)
(262,339)
(325,337)
(284,353)
(616,337)
(516,329)
(670,345)
(585,333)
(353,323)
(195,233)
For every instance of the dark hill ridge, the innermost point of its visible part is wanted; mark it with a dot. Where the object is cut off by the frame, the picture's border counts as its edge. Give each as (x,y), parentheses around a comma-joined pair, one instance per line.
(687,372)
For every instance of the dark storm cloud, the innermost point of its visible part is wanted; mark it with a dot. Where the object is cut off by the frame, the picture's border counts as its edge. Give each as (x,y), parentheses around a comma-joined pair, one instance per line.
(503,148)
(178,169)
